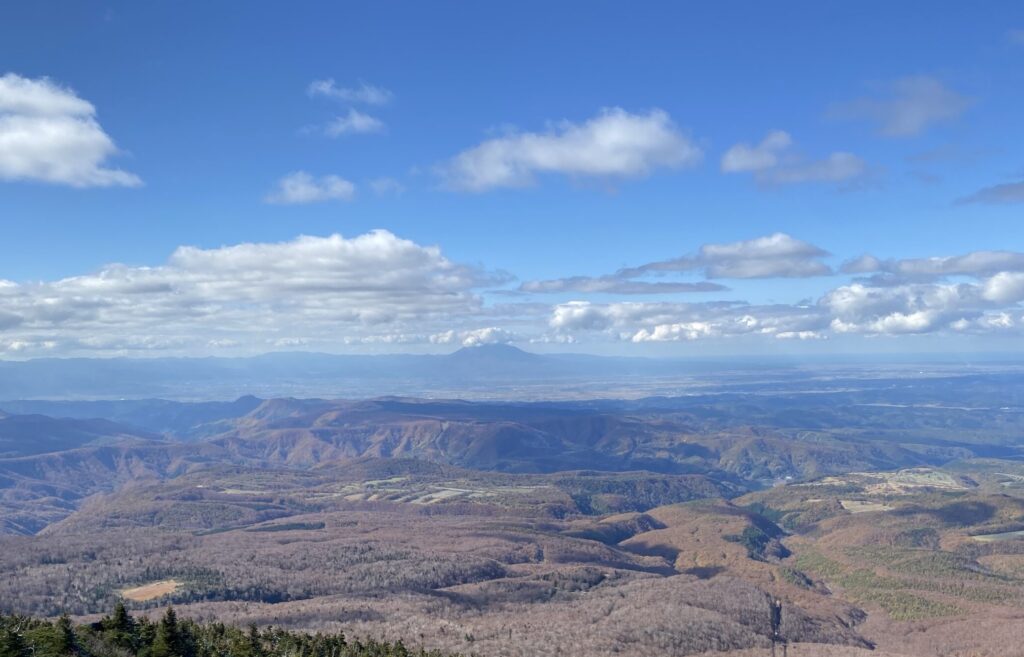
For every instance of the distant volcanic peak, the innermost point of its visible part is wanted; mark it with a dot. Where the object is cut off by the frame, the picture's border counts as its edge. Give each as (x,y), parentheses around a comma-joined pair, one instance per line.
(248,399)
(495,352)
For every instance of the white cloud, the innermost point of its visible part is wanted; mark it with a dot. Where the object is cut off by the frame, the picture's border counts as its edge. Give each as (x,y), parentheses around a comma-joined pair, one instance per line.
(1016,37)
(379,289)
(678,332)
(773,163)
(975,263)
(908,106)
(363,93)
(773,256)
(859,308)
(864,264)
(801,335)
(677,322)
(744,157)
(49,134)
(300,187)
(1005,287)
(317,289)
(614,144)
(355,122)
(474,337)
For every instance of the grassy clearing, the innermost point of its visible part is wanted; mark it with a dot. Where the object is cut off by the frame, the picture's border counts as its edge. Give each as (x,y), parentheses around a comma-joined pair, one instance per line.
(151,591)
(860,506)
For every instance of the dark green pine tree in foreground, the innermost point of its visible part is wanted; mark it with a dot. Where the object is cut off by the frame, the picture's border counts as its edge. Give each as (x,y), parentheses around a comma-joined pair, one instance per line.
(168,641)
(12,644)
(120,635)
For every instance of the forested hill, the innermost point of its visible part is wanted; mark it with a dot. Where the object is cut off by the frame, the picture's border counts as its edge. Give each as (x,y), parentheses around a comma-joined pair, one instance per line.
(120,635)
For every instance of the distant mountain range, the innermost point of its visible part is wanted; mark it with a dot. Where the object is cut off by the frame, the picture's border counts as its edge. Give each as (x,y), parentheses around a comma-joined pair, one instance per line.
(494,372)
(304,373)
(55,453)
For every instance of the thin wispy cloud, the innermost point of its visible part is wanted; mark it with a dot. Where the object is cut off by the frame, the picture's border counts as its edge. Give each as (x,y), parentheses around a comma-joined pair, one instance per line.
(386,186)
(772,161)
(616,285)
(976,263)
(300,187)
(997,194)
(759,157)
(905,107)
(615,144)
(355,122)
(49,134)
(772,256)
(362,93)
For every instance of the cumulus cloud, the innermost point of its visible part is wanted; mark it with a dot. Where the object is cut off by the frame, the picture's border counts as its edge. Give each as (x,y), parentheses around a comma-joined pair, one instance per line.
(678,322)
(379,289)
(859,308)
(906,107)
(1005,287)
(300,187)
(615,144)
(772,162)
(355,122)
(852,309)
(474,337)
(318,289)
(49,134)
(989,305)
(997,194)
(926,307)
(362,93)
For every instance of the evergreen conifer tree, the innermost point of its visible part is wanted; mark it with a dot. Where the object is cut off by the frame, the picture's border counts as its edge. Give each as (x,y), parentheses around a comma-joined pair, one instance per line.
(167,642)
(12,644)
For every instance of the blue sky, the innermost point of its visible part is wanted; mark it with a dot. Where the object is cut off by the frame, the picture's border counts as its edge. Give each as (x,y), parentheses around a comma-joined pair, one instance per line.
(513,144)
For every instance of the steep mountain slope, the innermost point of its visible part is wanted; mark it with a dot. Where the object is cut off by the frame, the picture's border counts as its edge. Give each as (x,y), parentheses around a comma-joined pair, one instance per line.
(38,490)
(25,435)
(52,464)
(546,438)
(182,419)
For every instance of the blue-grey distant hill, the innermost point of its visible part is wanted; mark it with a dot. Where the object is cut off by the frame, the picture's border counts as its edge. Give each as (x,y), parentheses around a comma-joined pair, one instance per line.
(304,373)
